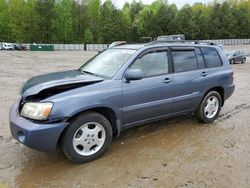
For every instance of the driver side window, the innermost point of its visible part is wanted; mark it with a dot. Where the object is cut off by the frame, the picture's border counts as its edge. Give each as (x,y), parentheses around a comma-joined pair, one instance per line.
(152,64)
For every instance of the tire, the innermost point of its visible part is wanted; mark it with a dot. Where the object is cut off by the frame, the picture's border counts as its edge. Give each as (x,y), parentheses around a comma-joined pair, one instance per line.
(232,61)
(209,108)
(87,137)
(243,61)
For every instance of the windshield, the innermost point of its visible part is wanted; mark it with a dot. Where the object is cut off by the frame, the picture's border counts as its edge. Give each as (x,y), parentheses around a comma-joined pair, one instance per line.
(107,63)
(230,53)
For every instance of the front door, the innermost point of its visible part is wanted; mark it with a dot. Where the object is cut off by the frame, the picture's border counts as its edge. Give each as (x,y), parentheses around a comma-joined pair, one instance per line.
(152,96)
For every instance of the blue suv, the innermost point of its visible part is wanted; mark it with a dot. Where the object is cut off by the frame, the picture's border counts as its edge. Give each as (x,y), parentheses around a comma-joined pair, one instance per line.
(124,86)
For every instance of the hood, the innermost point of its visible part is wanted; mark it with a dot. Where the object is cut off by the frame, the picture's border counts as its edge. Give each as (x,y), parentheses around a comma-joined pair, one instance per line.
(58,82)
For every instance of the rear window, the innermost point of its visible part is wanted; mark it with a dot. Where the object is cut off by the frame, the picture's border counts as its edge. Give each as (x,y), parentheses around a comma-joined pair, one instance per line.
(212,57)
(184,60)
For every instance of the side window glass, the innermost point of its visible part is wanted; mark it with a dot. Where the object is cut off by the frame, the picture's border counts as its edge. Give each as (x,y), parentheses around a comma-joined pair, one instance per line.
(152,64)
(201,62)
(184,60)
(211,56)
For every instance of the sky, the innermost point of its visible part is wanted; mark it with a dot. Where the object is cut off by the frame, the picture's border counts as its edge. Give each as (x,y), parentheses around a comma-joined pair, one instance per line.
(179,3)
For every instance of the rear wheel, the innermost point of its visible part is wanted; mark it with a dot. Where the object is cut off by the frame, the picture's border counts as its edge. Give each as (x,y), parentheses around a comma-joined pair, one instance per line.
(87,137)
(209,108)
(244,60)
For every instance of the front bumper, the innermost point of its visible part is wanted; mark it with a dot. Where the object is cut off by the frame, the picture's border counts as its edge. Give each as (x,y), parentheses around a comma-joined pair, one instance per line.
(42,137)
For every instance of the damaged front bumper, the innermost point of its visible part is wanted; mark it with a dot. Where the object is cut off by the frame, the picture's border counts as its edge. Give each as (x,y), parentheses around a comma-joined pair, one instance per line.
(42,137)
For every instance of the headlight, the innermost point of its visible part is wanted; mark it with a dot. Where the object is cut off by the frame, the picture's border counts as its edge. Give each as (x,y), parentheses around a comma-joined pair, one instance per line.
(37,111)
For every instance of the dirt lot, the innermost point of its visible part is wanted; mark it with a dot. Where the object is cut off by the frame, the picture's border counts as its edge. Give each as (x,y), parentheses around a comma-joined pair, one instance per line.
(179,152)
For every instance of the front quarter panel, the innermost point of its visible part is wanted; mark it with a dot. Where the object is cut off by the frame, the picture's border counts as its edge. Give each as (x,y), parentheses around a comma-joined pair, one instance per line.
(103,94)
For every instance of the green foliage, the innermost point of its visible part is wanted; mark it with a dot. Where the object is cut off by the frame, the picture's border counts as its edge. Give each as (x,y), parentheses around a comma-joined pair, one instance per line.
(63,21)
(4,22)
(88,36)
(91,21)
(45,14)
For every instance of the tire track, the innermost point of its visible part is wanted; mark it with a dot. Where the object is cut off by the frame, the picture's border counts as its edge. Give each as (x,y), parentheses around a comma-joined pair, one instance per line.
(237,109)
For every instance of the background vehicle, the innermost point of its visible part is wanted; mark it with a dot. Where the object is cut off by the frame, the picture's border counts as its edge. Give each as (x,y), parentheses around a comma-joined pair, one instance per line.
(19,47)
(179,37)
(236,56)
(145,39)
(7,46)
(116,43)
(124,86)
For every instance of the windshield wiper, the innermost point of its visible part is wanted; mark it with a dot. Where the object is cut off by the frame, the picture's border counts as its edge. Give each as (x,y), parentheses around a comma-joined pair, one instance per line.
(87,72)
(91,73)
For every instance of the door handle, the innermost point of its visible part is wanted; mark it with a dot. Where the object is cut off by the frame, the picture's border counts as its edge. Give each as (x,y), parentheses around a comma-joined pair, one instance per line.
(204,74)
(167,80)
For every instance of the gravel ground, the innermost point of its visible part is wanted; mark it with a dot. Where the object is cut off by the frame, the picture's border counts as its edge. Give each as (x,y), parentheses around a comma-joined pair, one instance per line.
(179,152)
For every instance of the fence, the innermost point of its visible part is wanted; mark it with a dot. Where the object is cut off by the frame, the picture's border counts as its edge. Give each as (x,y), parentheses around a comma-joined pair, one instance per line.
(229,41)
(97,47)
(75,47)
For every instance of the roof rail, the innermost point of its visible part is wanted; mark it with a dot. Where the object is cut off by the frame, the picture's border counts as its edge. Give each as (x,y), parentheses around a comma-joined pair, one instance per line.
(208,43)
(181,41)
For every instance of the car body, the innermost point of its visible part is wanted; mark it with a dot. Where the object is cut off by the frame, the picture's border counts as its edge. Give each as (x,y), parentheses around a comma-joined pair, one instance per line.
(180,37)
(7,46)
(20,47)
(236,56)
(116,43)
(122,87)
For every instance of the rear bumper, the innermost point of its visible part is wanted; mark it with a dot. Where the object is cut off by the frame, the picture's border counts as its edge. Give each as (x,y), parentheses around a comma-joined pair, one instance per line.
(42,137)
(229,91)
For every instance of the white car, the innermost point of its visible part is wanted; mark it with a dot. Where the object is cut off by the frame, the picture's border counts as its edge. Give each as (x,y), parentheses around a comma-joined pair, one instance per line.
(7,46)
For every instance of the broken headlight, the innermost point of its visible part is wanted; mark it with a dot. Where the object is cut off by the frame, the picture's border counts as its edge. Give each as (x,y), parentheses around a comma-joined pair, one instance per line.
(36,110)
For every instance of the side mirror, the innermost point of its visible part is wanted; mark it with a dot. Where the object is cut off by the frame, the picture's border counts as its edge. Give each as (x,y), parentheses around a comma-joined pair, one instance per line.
(133,74)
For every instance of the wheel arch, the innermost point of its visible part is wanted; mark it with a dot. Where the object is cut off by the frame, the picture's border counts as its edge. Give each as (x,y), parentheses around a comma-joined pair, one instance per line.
(220,90)
(105,111)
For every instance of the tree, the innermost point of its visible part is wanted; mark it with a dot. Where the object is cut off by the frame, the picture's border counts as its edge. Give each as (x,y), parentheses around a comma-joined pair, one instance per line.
(165,20)
(186,23)
(144,22)
(242,15)
(201,19)
(127,22)
(46,13)
(77,21)
(93,15)
(4,21)
(30,27)
(88,36)
(63,21)
(16,20)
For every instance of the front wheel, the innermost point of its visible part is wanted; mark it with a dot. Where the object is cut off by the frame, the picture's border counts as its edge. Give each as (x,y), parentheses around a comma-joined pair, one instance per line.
(87,137)
(209,108)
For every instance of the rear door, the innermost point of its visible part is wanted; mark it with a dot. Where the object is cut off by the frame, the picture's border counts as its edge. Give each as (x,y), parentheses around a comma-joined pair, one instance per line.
(237,56)
(241,56)
(188,76)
